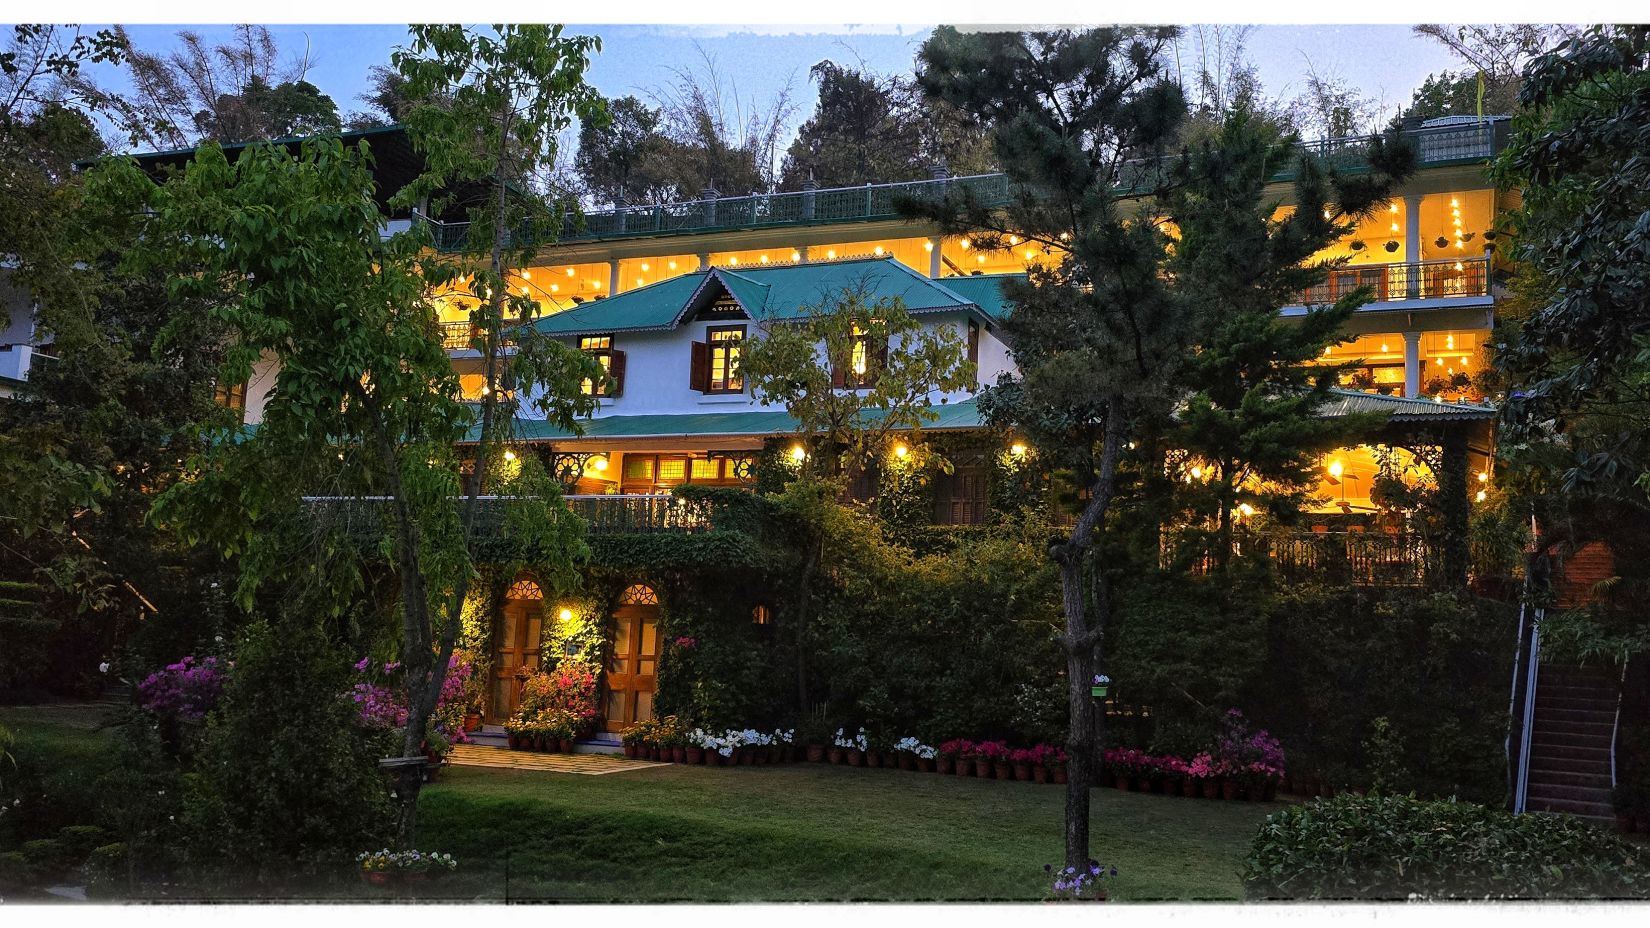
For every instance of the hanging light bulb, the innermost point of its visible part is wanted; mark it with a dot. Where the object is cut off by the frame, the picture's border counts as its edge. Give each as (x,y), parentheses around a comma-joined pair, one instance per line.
(877,251)
(796,256)
(645,267)
(830,253)
(763,259)
(671,265)
(927,246)
(964,244)
(1336,468)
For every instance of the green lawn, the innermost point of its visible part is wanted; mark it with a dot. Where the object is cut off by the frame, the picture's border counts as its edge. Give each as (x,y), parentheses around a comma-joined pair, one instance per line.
(811,832)
(804,832)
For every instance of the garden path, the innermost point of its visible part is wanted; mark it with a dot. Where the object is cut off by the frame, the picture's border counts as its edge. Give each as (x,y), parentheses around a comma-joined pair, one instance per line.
(473,755)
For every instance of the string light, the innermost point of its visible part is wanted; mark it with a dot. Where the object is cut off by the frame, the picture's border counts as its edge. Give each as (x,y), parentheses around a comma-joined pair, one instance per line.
(796,256)
(964,244)
(830,253)
(927,246)
(672,265)
(877,251)
(763,259)
(508,455)
(798,453)
(645,267)
(1336,468)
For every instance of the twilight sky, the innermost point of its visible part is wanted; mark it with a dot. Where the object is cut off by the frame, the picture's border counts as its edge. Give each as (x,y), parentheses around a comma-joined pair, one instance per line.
(1386,61)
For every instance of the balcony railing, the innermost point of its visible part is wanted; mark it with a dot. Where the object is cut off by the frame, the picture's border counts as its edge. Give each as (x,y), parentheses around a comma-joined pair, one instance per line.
(1359,558)
(629,513)
(1434,145)
(458,336)
(1422,280)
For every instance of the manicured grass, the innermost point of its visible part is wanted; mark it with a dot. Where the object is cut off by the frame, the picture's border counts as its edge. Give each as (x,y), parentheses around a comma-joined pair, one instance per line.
(810,832)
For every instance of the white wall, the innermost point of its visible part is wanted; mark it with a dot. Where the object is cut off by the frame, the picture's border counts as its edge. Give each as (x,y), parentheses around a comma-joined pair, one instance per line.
(259,386)
(657,365)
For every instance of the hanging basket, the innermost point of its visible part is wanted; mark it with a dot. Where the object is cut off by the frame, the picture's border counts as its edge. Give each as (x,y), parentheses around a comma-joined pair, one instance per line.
(1099,692)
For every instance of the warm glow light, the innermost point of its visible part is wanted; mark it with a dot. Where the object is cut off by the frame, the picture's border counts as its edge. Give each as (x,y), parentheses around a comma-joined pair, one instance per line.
(523,291)
(927,246)
(569,272)
(1014,240)
(526,275)
(555,288)
(1018,449)
(798,453)
(596,283)
(901,451)
(1453,202)
(1449,341)
(1458,265)
(1460,244)
(1483,476)
(645,267)
(599,464)
(877,251)
(979,259)
(1482,495)
(964,244)
(671,265)
(763,259)
(566,615)
(1246,509)
(1383,348)
(1393,208)
(1197,473)
(734,260)
(830,253)
(509,455)
(1336,468)
(1030,254)
(1395,227)
(640,282)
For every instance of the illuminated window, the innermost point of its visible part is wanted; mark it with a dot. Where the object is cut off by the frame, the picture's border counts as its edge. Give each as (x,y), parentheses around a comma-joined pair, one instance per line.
(524,589)
(724,343)
(705,469)
(638,594)
(672,470)
(638,468)
(601,347)
(863,360)
(231,396)
(762,615)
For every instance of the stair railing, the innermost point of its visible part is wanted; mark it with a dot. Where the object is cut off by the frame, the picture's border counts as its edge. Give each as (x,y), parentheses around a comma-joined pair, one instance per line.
(1521,793)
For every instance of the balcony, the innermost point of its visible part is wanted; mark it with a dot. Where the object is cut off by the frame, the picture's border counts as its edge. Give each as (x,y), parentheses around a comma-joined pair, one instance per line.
(1358,558)
(1435,145)
(1422,280)
(459,336)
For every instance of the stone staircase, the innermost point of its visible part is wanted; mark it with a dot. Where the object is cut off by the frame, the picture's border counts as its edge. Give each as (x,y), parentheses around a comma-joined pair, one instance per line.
(1575,714)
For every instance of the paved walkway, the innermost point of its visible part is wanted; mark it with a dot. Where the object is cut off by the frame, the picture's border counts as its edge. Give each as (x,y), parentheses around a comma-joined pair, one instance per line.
(473,755)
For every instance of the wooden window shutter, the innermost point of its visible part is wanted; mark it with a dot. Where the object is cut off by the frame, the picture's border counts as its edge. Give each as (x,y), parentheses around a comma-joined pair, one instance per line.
(839,379)
(699,368)
(615,370)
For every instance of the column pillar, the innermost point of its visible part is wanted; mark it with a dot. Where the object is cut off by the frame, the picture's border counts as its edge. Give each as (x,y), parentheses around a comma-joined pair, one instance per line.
(803,251)
(934,258)
(704,262)
(1412,364)
(808,187)
(1412,247)
(613,277)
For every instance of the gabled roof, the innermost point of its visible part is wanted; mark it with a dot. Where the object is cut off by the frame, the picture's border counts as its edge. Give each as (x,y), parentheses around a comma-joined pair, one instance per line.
(1403,409)
(986,292)
(780,292)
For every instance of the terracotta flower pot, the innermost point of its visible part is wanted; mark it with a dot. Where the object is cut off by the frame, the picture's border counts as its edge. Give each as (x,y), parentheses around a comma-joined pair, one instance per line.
(947,764)
(1209,787)
(693,754)
(1060,774)
(376,877)
(678,755)
(907,760)
(836,755)
(1022,771)
(816,753)
(565,745)
(1124,783)
(873,758)
(788,754)
(982,767)
(1188,788)
(1039,774)
(856,757)
(1003,769)
(1228,790)
(1142,784)
(925,764)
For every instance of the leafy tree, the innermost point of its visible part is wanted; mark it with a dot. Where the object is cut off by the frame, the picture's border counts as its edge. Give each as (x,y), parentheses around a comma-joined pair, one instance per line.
(1249,423)
(1575,345)
(1095,334)
(811,367)
(718,139)
(626,158)
(859,133)
(1494,55)
(388,100)
(1330,107)
(235,91)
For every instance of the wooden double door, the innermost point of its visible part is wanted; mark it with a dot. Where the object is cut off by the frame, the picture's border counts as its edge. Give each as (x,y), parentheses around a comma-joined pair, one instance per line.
(516,654)
(633,663)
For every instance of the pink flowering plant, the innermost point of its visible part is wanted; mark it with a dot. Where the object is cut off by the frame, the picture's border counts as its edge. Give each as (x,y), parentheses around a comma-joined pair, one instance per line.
(184,691)
(379,696)
(959,748)
(1249,753)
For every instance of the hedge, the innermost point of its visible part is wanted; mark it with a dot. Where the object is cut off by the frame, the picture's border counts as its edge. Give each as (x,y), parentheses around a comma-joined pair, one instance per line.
(1399,847)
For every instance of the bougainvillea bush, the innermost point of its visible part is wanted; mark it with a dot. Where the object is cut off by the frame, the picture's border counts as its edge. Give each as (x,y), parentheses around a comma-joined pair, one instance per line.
(379,697)
(186,690)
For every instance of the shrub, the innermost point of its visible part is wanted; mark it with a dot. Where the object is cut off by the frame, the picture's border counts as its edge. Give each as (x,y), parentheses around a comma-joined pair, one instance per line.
(16,872)
(1396,847)
(285,780)
(105,870)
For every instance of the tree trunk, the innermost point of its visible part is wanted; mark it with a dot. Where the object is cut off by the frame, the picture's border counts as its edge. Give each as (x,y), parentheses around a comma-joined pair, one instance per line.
(1080,767)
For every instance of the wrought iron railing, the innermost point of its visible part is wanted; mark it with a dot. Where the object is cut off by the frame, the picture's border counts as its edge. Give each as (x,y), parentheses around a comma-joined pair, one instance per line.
(646,513)
(1421,280)
(1434,145)
(461,336)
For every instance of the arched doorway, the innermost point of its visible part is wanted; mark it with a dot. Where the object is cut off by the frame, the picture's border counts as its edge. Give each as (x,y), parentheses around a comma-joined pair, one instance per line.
(516,649)
(633,667)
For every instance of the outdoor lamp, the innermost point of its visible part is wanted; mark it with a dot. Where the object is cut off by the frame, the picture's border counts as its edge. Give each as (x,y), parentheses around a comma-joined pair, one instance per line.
(798,453)
(566,614)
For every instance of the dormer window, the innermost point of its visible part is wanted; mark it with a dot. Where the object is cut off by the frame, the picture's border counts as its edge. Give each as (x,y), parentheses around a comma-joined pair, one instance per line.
(611,359)
(715,361)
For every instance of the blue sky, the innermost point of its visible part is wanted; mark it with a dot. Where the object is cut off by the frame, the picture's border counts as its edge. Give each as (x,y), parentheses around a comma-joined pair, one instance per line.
(1386,61)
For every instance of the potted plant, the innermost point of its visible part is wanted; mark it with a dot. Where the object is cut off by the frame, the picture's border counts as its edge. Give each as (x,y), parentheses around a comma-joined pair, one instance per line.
(995,753)
(953,756)
(1020,760)
(1100,686)
(1059,765)
(376,866)
(785,745)
(815,736)
(925,757)
(1205,770)
(852,747)
(905,753)
(979,757)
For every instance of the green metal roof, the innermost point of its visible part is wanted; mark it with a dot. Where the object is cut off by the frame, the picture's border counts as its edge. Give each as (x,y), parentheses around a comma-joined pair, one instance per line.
(1403,409)
(985,291)
(780,292)
(961,415)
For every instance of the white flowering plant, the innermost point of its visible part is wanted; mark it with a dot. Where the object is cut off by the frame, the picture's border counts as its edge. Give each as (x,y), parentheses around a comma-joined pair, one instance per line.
(855,742)
(410,861)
